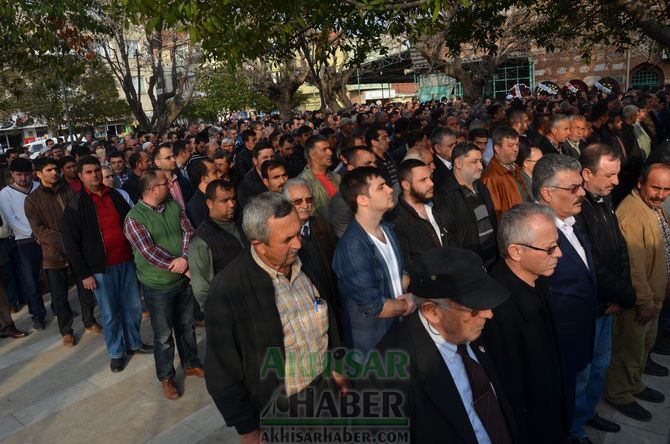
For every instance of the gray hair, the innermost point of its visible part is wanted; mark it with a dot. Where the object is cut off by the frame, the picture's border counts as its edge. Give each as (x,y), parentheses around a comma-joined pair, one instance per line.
(629,111)
(260,210)
(439,134)
(548,166)
(227,141)
(296,181)
(556,119)
(514,226)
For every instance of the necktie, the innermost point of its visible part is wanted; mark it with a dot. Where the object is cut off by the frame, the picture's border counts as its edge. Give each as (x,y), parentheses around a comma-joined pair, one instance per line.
(484,400)
(305,232)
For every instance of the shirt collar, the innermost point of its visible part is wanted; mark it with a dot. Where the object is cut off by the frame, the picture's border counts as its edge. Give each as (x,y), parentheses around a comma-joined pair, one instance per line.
(274,274)
(103,190)
(160,208)
(565,224)
(445,347)
(445,162)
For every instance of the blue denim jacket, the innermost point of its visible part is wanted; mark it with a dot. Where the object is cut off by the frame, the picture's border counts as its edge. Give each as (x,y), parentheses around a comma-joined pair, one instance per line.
(364,285)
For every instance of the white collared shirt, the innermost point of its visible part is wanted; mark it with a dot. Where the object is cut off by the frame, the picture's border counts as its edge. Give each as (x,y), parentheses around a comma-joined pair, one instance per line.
(455,365)
(566,227)
(445,162)
(433,222)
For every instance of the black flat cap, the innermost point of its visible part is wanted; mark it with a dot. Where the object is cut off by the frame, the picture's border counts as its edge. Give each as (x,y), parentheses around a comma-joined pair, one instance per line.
(456,274)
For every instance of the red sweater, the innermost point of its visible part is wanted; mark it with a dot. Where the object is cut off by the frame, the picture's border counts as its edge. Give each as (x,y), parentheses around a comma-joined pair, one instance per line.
(111,226)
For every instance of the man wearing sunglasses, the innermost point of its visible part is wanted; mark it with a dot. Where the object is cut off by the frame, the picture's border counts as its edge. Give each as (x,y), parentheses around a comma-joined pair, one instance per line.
(521,338)
(450,391)
(557,182)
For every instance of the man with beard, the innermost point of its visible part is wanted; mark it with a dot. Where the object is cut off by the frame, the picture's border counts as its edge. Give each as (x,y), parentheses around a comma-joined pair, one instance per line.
(644,225)
(419,223)
(557,182)
(521,338)
(468,208)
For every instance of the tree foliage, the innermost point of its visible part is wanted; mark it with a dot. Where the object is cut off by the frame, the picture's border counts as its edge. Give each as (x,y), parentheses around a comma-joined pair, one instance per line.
(92,98)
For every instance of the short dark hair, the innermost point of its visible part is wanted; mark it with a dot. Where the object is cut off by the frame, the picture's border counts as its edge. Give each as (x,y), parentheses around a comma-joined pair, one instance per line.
(87,160)
(216,185)
(373,133)
(42,162)
(591,154)
(198,170)
(285,138)
(351,153)
(356,183)
(523,154)
(134,159)
(21,165)
(115,153)
(405,169)
(503,132)
(147,178)
(270,165)
(223,154)
(248,134)
(64,160)
(463,149)
(311,142)
(477,132)
(304,130)
(260,147)
(178,147)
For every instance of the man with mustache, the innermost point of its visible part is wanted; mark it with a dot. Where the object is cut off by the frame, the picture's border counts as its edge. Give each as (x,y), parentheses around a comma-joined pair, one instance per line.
(557,183)
(267,300)
(419,223)
(645,227)
(521,337)
(600,168)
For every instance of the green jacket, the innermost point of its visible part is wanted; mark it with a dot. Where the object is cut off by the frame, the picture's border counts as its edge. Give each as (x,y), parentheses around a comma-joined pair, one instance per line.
(321,199)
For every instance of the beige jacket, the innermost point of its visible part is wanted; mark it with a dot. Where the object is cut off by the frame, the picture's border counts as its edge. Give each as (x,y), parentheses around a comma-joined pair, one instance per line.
(640,228)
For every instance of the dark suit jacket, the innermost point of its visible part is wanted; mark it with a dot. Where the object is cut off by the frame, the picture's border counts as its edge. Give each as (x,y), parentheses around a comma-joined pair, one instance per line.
(242,324)
(522,343)
(443,177)
(252,185)
(432,402)
(573,288)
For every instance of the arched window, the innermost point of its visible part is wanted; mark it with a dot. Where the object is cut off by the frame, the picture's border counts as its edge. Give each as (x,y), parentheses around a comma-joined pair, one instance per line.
(647,77)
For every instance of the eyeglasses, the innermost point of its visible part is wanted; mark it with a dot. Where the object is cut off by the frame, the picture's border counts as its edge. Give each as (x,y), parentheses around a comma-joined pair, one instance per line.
(549,251)
(574,189)
(473,313)
(307,200)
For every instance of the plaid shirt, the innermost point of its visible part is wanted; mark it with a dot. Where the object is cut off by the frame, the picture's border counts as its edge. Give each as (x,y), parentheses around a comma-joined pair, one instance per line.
(140,238)
(305,326)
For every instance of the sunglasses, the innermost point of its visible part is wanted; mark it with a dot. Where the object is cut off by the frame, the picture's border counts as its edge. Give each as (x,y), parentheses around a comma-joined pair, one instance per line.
(549,251)
(307,200)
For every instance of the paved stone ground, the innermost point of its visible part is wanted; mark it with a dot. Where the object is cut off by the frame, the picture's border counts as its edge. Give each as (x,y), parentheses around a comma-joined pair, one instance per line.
(50,394)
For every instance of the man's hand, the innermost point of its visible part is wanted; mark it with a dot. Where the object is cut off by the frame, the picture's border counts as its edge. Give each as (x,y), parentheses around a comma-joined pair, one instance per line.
(645,314)
(613,308)
(179,265)
(409,300)
(89,283)
(341,382)
(251,437)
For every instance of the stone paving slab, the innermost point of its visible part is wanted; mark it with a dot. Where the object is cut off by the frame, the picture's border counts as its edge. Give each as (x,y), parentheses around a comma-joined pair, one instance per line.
(49,394)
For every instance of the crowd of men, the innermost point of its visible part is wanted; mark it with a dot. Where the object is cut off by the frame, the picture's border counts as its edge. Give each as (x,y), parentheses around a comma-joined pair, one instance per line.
(517,252)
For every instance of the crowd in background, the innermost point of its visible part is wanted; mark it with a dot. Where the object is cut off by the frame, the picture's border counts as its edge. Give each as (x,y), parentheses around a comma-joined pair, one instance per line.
(532,228)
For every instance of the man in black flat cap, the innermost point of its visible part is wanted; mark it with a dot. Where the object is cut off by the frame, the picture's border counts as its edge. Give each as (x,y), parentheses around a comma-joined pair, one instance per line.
(451,391)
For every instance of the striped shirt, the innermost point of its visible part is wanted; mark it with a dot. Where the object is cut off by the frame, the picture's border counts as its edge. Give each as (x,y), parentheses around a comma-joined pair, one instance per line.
(304,319)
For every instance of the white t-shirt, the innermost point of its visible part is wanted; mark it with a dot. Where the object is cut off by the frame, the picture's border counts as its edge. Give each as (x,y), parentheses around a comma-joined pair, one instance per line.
(433,222)
(386,250)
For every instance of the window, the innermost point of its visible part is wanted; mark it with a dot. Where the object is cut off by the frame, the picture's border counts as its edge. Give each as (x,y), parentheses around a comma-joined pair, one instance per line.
(139,86)
(646,78)
(132,47)
(509,74)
